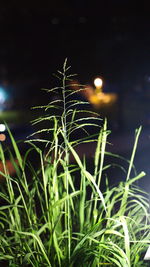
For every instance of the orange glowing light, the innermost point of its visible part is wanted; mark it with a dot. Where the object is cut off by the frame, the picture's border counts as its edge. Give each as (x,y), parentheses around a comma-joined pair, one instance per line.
(100,99)
(2,137)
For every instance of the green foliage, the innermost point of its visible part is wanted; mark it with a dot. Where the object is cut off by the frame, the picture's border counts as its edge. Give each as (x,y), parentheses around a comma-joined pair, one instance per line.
(57,213)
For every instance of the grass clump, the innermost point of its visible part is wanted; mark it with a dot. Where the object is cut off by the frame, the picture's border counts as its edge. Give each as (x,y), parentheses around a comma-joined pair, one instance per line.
(54,210)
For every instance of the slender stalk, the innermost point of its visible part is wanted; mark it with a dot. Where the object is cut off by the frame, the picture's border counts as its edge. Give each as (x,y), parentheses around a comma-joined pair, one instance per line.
(99,161)
(64,128)
(137,134)
(45,185)
(126,191)
(102,153)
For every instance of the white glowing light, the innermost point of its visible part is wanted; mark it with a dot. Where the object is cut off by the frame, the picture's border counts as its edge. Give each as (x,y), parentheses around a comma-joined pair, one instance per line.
(2,127)
(147,255)
(98,82)
(2,97)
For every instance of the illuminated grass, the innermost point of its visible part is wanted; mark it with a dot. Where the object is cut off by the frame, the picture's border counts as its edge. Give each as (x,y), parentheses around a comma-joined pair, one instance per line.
(57,213)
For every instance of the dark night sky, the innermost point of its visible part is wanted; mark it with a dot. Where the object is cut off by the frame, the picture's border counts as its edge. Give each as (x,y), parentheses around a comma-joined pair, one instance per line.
(110,39)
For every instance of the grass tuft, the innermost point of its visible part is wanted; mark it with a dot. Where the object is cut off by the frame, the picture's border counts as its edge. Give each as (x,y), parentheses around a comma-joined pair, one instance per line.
(54,210)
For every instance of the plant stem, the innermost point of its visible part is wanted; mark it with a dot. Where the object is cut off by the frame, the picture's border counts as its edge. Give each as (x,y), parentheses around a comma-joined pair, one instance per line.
(66,159)
(125,196)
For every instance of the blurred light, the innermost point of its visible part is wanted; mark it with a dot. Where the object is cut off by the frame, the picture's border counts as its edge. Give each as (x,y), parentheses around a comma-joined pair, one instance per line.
(2,127)
(2,95)
(98,82)
(2,137)
(147,255)
(103,99)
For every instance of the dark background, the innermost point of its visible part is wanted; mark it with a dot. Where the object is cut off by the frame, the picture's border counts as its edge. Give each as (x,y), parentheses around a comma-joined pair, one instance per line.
(107,38)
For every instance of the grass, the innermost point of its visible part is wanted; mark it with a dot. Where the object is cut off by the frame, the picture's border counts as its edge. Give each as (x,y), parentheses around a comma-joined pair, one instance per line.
(54,212)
